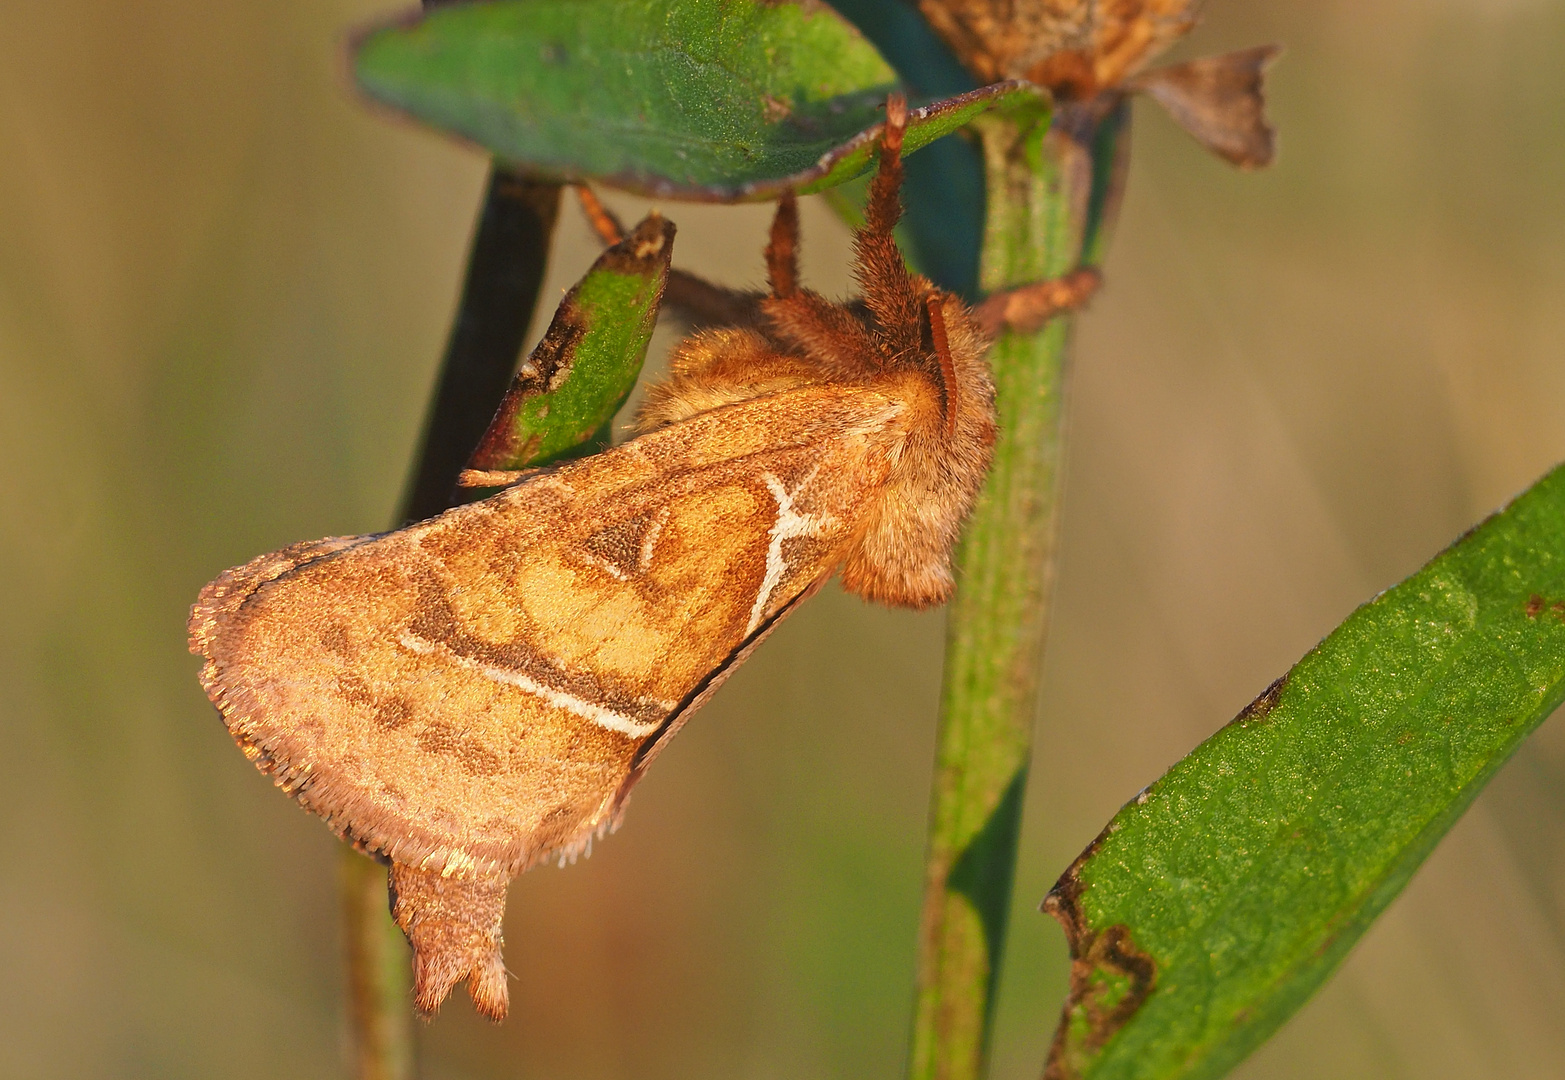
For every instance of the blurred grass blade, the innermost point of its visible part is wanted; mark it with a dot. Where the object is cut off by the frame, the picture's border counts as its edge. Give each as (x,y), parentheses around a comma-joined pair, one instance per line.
(695,99)
(579,375)
(1214,904)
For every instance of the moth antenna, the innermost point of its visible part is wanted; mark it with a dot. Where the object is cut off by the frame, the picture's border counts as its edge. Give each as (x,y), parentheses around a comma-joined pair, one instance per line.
(937,331)
(600,217)
(782,250)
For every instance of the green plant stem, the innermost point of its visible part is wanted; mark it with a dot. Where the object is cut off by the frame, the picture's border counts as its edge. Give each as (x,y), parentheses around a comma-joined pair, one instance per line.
(1036,228)
(505,270)
(378,974)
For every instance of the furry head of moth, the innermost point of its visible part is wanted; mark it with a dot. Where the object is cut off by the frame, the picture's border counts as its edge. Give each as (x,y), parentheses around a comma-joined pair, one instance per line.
(479,692)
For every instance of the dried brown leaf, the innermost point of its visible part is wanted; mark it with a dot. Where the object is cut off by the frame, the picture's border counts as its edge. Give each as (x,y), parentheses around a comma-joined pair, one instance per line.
(1220,101)
(1074,47)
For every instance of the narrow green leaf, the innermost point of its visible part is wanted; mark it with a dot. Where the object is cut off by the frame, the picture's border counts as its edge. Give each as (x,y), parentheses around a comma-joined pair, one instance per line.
(721,100)
(1214,904)
(579,375)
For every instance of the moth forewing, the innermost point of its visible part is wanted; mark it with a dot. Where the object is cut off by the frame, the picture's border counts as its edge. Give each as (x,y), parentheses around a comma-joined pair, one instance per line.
(468,693)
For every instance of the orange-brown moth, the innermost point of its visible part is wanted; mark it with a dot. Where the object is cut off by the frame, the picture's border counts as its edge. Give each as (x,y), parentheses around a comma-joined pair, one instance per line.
(479,692)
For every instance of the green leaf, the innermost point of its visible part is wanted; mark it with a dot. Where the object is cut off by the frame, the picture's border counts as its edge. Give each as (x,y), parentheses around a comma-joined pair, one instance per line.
(1214,904)
(579,375)
(722,100)
(905,38)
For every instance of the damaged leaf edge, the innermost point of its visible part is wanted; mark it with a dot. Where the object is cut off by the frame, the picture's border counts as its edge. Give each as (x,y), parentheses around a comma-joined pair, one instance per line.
(1111,949)
(645,252)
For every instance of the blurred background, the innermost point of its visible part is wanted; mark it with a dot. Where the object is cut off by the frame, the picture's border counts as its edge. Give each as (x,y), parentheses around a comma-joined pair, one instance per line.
(224,288)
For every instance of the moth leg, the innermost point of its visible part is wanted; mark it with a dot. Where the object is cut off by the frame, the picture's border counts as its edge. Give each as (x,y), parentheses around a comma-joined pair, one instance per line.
(600,217)
(889,292)
(884,207)
(700,303)
(782,251)
(828,333)
(831,333)
(1026,308)
(453,925)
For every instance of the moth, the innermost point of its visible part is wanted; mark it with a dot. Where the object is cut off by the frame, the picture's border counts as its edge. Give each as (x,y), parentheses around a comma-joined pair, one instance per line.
(479,692)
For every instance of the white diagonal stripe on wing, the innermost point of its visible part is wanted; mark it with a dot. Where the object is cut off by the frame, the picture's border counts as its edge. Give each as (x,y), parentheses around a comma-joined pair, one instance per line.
(789,524)
(587,710)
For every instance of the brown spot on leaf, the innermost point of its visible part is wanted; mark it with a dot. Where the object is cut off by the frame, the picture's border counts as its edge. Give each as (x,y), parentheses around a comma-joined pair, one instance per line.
(547,367)
(775,109)
(1110,980)
(1064,900)
(1110,976)
(1537,605)
(1261,707)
